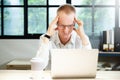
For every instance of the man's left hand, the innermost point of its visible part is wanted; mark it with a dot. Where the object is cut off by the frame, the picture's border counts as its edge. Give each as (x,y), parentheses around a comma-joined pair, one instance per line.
(80,31)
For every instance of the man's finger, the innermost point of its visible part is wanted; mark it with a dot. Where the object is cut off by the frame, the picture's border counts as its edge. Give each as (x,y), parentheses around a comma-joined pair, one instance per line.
(56,28)
(56,18)
(75,29)
(75,19)
(80,23)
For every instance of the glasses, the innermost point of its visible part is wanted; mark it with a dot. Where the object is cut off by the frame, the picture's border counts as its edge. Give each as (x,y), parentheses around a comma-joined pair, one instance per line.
(68,26)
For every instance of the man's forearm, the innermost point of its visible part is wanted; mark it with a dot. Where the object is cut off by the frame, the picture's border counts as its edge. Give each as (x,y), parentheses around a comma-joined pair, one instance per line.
(43,51)
(83,36)
(85,40)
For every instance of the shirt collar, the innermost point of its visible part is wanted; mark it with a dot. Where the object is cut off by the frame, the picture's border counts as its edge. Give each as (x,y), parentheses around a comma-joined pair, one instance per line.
(72,40)
(57,39)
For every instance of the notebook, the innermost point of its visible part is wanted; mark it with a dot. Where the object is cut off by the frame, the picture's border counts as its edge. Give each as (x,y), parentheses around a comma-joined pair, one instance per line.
(74,63)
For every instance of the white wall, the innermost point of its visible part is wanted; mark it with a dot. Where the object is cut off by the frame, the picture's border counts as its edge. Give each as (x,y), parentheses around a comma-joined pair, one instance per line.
(17,48)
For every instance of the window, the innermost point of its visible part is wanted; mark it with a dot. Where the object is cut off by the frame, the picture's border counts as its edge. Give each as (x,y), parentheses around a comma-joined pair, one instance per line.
(82,2)
(56,2)
(52,13)
(97,15)
(0,21)
(94,14)
(104,16)
(119,13)
(37,2)
(0,18)
(119,2)
(104,19)
(119,16)
(13,21)
(31,18)
(13,2)
(37,20)
(13,18)
(104,2)
(85,14)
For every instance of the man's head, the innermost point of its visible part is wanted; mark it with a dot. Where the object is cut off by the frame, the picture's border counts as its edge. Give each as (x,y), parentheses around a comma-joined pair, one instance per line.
(65,22)
(67,8)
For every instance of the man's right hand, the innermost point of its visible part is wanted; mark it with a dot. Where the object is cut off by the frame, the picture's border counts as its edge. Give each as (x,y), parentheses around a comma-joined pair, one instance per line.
(52,27)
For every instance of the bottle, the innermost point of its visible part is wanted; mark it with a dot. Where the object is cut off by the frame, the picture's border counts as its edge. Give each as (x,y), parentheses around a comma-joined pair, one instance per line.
(105,47)
(111,47)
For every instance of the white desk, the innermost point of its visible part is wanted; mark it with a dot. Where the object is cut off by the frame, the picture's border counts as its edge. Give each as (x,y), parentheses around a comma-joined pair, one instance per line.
(19,64)
(45,75)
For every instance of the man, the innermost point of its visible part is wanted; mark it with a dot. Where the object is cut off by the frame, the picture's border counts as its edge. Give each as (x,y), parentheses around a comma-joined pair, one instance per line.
(62,34)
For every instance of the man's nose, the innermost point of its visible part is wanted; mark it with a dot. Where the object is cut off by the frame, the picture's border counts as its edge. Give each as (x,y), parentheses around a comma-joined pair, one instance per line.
(66,29)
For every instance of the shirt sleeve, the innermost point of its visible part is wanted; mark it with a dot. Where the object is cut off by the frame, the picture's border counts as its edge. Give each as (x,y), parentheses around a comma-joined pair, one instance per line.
(43,52)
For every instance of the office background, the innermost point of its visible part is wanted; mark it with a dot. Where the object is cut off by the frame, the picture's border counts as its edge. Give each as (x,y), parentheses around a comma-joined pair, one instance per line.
(23,21)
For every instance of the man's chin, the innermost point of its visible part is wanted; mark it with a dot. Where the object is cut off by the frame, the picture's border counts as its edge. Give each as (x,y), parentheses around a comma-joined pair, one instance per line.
(65,36)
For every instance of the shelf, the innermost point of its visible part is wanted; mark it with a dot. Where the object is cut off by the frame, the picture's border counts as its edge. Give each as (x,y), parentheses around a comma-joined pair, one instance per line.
(109,53)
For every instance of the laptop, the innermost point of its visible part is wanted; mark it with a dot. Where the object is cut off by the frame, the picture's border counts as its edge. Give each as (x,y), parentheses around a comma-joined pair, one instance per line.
(74,63)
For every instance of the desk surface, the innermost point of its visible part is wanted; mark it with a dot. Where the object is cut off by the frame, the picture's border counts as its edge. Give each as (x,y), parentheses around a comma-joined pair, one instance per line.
(20,62)
(45,75)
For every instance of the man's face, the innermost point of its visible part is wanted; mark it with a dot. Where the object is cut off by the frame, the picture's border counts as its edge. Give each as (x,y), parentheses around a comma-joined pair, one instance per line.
(65,24)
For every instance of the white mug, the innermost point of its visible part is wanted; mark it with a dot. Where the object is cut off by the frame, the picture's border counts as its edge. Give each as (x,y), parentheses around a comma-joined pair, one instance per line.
(36,64)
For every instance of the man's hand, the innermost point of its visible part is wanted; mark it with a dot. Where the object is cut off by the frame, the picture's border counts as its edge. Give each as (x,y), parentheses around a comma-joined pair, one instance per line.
(80,29)
(80,32)
(52,27)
